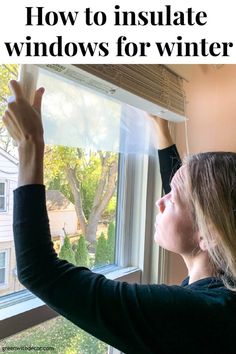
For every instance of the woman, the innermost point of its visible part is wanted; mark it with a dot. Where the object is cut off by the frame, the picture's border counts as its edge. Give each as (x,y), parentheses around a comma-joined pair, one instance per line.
(197,220)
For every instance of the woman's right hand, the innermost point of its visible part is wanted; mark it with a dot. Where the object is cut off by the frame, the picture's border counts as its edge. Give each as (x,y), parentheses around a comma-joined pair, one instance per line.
(164,138)
(22,120)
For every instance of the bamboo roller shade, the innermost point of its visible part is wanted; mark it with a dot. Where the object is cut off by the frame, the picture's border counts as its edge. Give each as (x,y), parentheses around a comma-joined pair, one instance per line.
(155,82)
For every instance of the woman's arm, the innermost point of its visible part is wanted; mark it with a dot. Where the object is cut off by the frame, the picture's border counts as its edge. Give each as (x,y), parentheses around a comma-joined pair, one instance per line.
(169,157)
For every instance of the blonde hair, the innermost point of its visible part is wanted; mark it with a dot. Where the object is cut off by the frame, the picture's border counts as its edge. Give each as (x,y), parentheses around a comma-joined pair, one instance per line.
(211,188)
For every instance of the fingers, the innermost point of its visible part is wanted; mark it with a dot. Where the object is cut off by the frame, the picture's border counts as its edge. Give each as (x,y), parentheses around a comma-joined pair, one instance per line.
(38,99)
(10,125)
(18,93)
(16,89)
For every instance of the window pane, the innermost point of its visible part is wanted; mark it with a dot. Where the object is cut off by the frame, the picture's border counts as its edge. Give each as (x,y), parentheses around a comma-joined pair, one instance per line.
(2,276)
(2,259)
(57,336)
(2,188)
(2,203)
(82,222)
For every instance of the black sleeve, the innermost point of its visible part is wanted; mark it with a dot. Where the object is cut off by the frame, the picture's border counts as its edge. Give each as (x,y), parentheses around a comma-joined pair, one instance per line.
(170,162)
(138,319)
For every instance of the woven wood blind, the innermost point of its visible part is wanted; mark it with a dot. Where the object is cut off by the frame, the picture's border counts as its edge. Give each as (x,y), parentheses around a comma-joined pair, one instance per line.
(155,83)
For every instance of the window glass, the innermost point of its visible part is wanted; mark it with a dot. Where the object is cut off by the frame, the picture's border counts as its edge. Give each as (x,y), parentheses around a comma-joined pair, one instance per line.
(2,267)
(2,203)
(2,189)
(2,197)
(2,276)
(2,259)
(82,218)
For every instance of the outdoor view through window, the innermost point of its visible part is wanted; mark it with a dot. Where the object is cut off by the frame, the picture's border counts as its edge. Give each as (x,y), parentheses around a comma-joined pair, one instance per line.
(81,201)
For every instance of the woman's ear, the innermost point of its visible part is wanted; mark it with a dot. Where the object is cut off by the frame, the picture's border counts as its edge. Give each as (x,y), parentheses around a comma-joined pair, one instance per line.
(204,244)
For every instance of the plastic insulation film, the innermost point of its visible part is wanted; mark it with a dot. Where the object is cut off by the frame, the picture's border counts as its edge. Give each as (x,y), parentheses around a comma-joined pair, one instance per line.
(77,116)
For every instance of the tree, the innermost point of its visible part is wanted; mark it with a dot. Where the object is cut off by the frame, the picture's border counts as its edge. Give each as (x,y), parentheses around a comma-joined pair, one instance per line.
(66,251)
(101,251)
(81,253)
(111,243)
(7,73)
(87,179)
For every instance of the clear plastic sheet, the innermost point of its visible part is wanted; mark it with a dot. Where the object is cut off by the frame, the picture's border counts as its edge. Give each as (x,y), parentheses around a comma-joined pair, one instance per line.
(79,117)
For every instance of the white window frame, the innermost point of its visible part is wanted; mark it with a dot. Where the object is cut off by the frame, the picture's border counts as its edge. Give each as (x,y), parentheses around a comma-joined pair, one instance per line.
(5,284)
(5,195)
(138,259)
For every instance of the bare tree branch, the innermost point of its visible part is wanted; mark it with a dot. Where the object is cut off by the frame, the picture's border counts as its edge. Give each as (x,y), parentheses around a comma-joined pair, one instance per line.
(3,98)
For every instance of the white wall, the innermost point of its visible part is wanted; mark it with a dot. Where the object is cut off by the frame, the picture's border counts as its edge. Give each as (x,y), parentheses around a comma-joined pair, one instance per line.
(211,112)
(8,173)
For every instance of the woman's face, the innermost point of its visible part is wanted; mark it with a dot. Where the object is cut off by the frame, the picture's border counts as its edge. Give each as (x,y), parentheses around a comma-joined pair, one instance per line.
(174,222)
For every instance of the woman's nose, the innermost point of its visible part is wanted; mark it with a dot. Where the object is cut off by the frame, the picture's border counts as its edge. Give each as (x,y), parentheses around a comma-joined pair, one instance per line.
(161,204)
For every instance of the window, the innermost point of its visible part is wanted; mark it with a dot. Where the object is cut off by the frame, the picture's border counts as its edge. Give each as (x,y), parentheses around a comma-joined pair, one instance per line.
(130,210)
(2,196)
(3,268)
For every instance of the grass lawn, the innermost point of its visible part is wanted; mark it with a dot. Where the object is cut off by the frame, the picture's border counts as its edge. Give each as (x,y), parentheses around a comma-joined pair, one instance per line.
(58,333)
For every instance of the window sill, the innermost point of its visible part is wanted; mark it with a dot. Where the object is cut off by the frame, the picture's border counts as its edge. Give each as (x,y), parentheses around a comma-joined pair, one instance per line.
(23,310)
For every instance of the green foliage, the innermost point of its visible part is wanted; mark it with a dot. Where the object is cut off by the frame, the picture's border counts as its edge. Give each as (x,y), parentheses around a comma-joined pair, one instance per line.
(59,333)
(88,167)
(7,73)
(81,253)
(66,251)
(111,243)
(110,211)
(101,251)
(59,183)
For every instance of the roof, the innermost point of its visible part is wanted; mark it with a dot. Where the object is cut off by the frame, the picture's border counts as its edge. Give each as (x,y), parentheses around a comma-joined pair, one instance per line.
(56,201)
(9,156)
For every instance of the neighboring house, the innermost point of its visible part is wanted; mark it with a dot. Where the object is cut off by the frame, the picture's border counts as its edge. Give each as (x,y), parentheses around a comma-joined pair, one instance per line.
(61,213)
(8,182)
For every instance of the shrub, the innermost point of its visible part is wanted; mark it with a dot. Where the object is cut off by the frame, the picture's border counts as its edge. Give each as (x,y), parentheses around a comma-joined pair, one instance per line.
(66,251)
(81,253)
(101,251)
(111,243)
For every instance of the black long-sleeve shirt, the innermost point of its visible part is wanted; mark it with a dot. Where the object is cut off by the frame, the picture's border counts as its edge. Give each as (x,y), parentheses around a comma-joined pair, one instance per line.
(140,319)
(169,163)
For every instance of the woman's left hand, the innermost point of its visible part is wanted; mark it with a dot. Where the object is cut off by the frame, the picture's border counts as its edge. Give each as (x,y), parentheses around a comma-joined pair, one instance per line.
(23,121)
(24,124)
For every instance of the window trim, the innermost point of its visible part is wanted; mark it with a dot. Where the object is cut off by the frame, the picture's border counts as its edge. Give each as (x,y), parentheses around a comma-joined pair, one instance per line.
(34,311)
(4,181)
